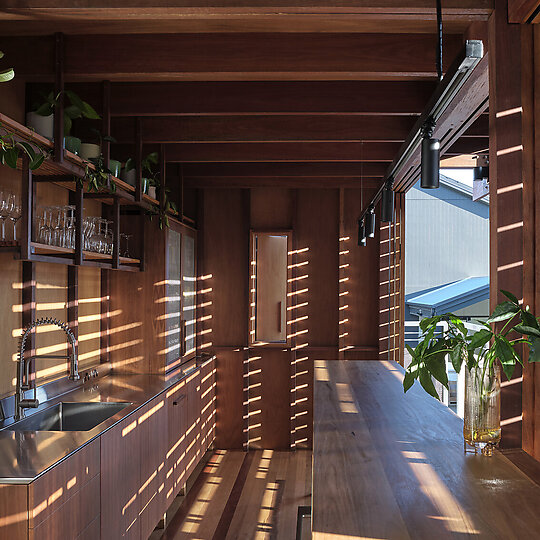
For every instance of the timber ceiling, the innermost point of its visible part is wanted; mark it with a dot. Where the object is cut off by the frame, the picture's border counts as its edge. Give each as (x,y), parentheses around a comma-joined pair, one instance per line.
(245,93)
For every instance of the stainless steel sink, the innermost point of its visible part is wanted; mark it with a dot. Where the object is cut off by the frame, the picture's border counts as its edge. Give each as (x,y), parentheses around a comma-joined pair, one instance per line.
(66,416)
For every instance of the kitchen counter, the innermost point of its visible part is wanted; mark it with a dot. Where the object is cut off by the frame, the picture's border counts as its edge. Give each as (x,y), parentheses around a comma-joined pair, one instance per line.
(391,465)
(25,455)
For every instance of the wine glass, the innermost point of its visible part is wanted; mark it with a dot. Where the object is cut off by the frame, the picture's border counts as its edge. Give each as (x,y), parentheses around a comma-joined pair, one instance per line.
(14,216)
(7,202)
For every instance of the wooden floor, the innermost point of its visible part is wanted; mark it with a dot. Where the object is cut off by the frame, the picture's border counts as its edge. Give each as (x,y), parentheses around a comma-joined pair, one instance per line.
(241,495)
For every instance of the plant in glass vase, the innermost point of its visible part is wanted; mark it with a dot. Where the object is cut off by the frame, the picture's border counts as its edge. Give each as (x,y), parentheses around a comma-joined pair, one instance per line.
(482,351)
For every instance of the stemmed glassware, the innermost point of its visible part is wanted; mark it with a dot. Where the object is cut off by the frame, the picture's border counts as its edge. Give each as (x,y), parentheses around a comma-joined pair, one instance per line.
(15,215)
(55,226)
(7,204)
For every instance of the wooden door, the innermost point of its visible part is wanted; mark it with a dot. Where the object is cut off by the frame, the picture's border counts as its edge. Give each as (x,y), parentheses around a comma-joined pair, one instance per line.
(271,287)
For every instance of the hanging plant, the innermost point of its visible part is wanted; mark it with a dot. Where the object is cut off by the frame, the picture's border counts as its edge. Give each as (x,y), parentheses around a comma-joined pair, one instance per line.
(12,149)
(7,74)
(97,176)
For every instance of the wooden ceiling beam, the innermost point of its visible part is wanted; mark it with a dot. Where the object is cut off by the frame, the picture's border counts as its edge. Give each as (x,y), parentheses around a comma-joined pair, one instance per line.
(468,145)
(259,128)
(281,152)
(269,97)
(249,56)
(295,152)
(265,169)
(293,182)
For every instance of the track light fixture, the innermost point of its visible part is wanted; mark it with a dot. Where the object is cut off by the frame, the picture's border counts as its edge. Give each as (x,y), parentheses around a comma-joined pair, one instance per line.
(370,222)
(429,176)
(387,201)
(362,240)
(481,171)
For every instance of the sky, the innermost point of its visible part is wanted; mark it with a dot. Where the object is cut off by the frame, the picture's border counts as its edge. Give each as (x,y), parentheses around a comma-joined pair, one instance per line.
(465,176)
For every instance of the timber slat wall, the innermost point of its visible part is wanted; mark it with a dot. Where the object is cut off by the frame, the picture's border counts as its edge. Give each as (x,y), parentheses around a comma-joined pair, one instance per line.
(277,400)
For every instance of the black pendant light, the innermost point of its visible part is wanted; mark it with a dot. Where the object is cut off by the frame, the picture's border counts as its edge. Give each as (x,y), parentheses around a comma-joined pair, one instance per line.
(370,222)
(387,202)
(429,175)
(362,240)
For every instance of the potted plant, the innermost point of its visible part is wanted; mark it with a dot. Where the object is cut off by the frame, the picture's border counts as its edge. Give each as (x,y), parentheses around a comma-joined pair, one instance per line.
(93,150)
(42,118)
(7,74)
(128,172)
(150,181)
(482,352)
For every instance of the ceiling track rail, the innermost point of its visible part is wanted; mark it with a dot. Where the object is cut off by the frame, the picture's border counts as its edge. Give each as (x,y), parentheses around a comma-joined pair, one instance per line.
(459,99)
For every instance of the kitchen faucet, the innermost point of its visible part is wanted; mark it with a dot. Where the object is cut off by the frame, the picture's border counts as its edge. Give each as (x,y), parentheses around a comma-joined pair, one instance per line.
(23,365)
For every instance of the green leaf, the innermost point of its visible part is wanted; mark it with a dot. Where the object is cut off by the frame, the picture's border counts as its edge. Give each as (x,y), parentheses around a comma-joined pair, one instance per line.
(511,297)
(10,157)
(505,353)
(89,112)
(67,125)
(7,75)
(36,162)
(527,330)
(437,368)
(408,381)
(528,319)
(480,338)
(72,111)
(28,149)
(427,383)
(44,110)
(411,351)
(130,164)
(504,311)
(108,138)
(74,99)
(429,321)
(456,357)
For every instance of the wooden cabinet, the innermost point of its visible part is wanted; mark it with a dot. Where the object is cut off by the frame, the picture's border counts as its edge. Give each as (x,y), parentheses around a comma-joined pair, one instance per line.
(119,485)
(120,479)
(153,428)
(62,503)
(177,426)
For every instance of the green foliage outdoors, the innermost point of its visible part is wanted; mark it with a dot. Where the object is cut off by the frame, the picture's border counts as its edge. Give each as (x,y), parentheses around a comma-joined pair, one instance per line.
(480,349)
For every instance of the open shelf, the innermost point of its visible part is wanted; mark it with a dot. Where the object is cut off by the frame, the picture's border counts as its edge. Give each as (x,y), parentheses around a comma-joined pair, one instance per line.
(56,254)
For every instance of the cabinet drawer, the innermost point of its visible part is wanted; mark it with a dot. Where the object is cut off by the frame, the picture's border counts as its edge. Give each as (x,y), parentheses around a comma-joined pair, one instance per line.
(73,517)
(53,489)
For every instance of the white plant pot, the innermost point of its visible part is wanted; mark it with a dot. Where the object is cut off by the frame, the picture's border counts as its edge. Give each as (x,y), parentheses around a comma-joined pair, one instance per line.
(152,192)
(44,125)
(89,150)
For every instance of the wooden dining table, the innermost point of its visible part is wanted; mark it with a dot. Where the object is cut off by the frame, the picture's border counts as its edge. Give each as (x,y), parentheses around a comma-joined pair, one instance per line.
(390,465)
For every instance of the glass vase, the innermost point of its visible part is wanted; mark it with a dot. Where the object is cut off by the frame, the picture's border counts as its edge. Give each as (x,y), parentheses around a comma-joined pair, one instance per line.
(482,415)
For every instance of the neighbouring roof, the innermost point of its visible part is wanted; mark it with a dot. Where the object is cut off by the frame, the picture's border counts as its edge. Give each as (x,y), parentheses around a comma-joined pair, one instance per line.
(450,297)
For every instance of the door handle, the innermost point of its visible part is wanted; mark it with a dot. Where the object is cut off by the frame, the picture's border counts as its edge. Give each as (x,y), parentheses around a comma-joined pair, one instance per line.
(279,317)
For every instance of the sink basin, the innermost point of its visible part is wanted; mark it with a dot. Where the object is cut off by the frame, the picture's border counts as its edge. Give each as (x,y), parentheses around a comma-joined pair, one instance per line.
(66,416)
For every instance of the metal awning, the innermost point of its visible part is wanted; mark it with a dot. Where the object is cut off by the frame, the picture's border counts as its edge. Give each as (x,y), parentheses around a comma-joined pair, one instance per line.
(450,297)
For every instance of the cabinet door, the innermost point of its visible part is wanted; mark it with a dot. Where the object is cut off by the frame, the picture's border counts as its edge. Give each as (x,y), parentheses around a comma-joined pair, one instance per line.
(154,438)
(120,479)
(176,454)
(189,293)
(207,405)
(193,435)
